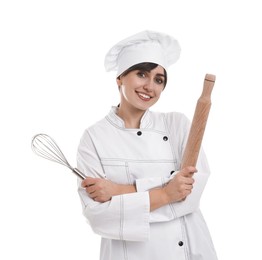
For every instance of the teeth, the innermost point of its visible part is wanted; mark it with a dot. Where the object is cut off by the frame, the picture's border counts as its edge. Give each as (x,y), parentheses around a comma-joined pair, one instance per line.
(143,95)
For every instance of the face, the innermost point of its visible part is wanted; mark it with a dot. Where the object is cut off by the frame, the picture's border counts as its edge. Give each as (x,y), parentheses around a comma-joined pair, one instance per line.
(141,89)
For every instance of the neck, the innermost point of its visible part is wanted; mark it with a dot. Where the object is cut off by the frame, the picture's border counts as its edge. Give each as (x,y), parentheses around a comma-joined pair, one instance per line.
(131,117)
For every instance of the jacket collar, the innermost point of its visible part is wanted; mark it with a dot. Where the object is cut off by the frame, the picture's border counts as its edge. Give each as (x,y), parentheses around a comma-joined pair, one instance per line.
(119,122)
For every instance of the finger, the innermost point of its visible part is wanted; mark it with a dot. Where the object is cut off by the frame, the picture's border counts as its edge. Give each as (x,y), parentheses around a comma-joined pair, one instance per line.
(185,194)
(90,189)
(88,181)
(98,199)
(188,171)
(93,195)
(189,187)
(184,179)
(83,183)
(189,181)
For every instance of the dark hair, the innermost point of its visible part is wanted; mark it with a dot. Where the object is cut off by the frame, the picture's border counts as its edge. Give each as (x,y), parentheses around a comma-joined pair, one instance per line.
(144,66)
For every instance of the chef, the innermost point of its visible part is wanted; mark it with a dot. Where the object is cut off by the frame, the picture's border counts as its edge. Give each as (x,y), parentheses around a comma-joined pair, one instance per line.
(135,195)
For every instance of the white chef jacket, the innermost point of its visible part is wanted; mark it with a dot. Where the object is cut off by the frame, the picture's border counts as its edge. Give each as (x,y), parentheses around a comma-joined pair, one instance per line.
(147,157)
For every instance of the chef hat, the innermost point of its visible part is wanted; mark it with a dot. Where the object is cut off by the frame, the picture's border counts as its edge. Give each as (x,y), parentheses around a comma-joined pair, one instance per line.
(146,46)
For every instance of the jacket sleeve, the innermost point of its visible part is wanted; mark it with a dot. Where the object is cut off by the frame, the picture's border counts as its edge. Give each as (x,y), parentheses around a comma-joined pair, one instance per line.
(178,209)
(178,127)
(124,217)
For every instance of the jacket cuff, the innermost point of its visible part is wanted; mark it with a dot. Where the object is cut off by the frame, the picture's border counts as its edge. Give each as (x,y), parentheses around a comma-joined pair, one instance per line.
(135,213)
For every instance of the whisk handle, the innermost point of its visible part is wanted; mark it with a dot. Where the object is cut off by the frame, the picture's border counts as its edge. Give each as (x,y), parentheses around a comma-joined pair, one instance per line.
(78,173)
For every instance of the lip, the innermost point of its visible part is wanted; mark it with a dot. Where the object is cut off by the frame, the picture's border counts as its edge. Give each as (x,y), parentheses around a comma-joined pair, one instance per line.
(143,97)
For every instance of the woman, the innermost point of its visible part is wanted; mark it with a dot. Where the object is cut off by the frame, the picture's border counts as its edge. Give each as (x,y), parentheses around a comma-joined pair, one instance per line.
(136,197)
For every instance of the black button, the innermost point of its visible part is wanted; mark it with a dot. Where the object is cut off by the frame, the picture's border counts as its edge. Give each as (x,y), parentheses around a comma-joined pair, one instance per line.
(172,172)
(165,138)
(139,133)
(180,243)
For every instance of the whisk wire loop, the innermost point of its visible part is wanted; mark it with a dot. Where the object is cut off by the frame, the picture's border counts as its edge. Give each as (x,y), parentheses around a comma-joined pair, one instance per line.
(46,147)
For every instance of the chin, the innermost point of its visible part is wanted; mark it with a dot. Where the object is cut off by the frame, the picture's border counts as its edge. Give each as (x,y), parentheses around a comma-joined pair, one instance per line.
(144,107)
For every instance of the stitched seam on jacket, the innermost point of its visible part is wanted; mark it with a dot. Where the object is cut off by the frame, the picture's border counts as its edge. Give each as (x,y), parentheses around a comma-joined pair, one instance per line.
(121,231)
(128,173)
(184,235)
(121,218)
(171,141)
(135,160)
(170,205)
(125,250)
(134,129)
(174,159)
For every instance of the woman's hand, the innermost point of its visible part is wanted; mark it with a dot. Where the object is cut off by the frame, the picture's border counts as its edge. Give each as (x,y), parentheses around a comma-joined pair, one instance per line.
(181,185)
(176,190)
(102,190)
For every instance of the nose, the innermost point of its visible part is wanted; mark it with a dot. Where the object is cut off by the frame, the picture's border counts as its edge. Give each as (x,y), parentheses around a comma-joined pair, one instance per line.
(149,85)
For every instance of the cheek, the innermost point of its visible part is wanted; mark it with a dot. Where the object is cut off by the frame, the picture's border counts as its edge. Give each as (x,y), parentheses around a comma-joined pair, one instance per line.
(157,95)
(159,92)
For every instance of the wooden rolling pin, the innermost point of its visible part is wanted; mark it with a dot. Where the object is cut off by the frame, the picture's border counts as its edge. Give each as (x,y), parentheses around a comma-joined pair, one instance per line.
(198,125)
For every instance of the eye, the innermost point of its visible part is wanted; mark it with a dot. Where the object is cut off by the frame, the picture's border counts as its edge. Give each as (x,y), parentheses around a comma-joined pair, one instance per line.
(141,74)
(159,80)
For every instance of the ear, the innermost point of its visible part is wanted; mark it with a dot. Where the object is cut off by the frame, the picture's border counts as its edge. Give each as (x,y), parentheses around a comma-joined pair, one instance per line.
(118,82)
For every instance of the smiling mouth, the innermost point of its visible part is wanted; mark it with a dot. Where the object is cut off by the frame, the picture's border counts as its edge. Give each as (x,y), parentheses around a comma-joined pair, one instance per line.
(143,96)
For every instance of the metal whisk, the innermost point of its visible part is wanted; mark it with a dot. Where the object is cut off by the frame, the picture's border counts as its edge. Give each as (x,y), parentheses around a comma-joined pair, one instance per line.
(45,146)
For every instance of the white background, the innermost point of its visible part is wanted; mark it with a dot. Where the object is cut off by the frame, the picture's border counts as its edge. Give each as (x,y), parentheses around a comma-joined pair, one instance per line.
(52,80)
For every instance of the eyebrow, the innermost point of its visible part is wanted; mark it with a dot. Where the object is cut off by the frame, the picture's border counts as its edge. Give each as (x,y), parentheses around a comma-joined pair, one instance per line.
(161,75)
